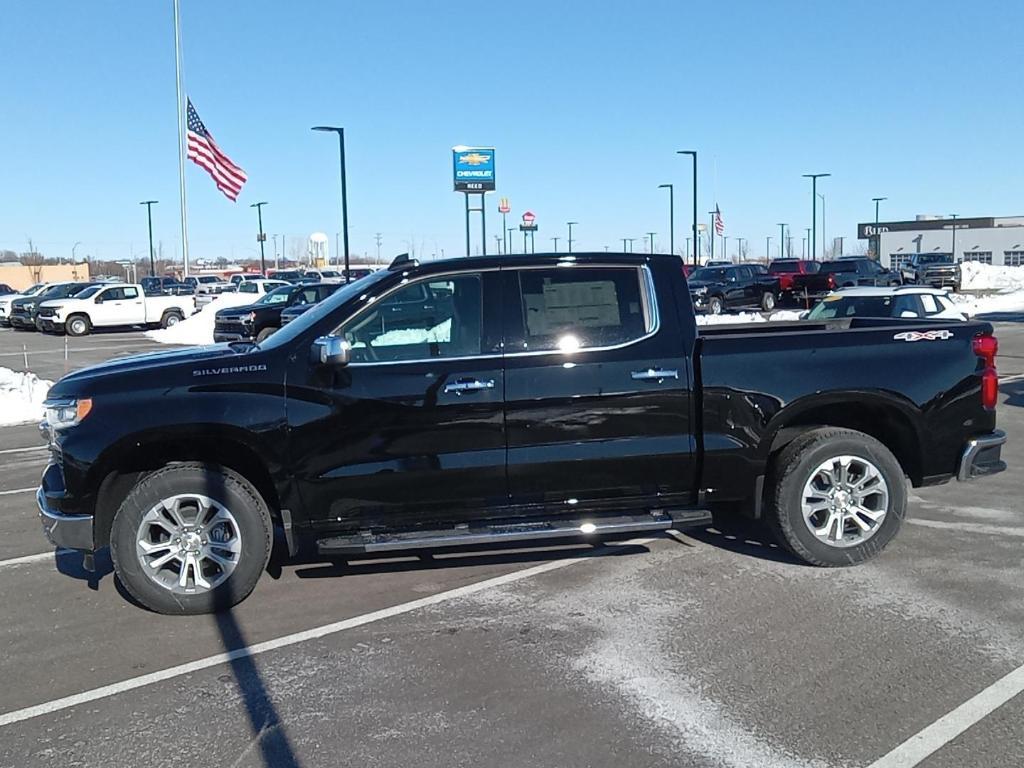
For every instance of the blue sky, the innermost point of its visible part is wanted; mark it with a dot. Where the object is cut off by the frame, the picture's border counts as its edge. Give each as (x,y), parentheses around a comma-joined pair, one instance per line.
(586,104)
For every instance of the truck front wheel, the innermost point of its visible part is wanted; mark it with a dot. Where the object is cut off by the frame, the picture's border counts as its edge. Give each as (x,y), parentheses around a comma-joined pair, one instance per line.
(836,497)
(191,538)
(716,305)
(77,325)
(171,318)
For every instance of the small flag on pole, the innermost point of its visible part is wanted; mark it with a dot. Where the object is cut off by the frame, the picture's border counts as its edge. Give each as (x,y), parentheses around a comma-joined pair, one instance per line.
(719,224)
(204,152)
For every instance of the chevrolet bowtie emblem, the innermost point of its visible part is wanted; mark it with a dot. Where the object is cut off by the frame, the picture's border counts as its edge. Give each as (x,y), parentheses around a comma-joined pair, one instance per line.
(474,158)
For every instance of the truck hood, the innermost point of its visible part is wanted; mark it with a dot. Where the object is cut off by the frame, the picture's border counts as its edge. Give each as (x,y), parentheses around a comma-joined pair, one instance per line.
(177,366)
(239,311)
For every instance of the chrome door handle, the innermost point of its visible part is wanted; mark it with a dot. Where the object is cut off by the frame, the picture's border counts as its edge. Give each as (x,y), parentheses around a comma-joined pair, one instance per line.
(458,387)
(654,374)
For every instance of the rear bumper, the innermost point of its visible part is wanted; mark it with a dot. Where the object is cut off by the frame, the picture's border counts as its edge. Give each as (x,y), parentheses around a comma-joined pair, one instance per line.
(981,456)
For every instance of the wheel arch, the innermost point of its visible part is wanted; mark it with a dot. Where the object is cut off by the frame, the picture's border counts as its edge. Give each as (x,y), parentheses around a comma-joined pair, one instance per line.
(888,418)
(125,463)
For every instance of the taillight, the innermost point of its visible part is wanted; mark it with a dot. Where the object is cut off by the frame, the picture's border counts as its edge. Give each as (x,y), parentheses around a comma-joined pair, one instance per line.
(987,347)
(831,281)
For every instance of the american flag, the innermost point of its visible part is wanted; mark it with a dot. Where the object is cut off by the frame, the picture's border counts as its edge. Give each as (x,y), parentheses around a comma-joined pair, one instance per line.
(719,224)
(205,153)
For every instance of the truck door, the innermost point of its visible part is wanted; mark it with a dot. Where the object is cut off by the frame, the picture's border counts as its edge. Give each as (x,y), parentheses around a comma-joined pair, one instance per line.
(119,305)
(596,388)
(411,431)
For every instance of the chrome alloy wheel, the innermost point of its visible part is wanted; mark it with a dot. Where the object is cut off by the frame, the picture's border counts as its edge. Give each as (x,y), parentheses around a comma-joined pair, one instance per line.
(845,501)
(188,543)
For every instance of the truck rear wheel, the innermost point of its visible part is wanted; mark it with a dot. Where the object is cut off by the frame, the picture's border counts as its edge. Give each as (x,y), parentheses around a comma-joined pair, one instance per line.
(716,305)
(768,301)
(171,318)
(836,497)
(191,538)
(77,325)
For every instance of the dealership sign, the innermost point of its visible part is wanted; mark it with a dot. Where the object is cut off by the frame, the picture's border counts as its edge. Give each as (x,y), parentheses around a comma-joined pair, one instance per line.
(473,169)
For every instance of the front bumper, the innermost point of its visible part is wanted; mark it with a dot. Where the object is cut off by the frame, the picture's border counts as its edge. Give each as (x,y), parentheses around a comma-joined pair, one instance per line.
(221,336)
(981,456)
(61,528)
(22,320)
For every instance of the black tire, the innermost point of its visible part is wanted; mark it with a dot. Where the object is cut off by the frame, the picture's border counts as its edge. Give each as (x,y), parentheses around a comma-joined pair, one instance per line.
(768,301)
(171,318)
(78,325)
(227,488)
(793,468)
(265,334)
(715,305)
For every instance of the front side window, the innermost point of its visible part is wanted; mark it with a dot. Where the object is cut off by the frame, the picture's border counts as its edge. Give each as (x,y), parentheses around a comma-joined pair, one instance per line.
(578,308)
(248,288)
(113,294)
(429,319)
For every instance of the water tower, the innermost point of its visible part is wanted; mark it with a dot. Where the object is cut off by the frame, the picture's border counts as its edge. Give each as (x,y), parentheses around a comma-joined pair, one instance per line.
(318,255)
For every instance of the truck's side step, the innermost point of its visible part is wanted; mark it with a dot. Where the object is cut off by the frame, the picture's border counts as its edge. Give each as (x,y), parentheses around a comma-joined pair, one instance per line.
(521,531)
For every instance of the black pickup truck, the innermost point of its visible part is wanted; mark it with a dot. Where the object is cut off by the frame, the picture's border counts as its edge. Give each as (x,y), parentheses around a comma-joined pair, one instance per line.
(735,286)
(525,399)
(257,321)
(846,272)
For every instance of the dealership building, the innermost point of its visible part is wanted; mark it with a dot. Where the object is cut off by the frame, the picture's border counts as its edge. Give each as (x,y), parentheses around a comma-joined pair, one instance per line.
(990,240)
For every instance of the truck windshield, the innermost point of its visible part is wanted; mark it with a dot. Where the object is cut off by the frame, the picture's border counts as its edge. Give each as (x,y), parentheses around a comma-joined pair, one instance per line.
(324,308)
(89,292)
(934,258)
(278,295)
(839,266)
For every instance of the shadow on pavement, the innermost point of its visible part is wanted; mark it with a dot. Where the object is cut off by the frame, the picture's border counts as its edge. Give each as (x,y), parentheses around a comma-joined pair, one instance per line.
(1001,317)
(70,563)
(748,538)
(1014,392)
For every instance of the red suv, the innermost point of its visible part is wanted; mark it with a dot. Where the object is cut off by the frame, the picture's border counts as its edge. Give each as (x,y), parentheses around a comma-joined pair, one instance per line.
(784,269)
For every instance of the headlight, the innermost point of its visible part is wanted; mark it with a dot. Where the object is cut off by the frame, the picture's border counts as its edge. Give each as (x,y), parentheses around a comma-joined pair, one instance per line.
(249,319)
(29,306)
(61,414)
(699,291)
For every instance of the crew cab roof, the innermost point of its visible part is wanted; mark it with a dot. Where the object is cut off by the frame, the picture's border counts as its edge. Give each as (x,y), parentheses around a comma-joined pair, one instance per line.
(539,260)
(865,290)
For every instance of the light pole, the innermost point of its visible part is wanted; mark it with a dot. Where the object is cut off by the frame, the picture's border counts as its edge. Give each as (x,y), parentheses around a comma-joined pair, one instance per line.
(262,238)
(79,242)
(725,247)
(555,241)
(693,154)
(624,244)
(808,238)
(953,217)
(510,231)
(650,236)
(876,201)
(824,238)
(739,247)
(344,189)
(671,216)
(814,211)
(149,217)
(877,237)
(782,240)
(711,235)
(767,249)
(570,224)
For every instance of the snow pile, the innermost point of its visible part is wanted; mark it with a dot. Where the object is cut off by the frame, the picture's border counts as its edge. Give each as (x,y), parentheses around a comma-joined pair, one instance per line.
(975,276)
(983,305)
(198,329)
(21,397)
(749,317)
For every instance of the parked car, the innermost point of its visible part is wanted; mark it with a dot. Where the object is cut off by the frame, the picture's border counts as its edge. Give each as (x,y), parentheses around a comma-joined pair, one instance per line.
(243,276)
(786,269)
(256,322)
(6,290)
(168,286)
(331,275)
(207,284)
(904,301)
(716,289)
(524,400)
(23,310)
(846,272)
(288,275)
(8,300)
(357,273)
(935,269)
(718,263)
(255,288)
(110,306)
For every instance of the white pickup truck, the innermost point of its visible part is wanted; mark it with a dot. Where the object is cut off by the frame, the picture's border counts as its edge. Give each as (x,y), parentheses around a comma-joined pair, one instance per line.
(107,306)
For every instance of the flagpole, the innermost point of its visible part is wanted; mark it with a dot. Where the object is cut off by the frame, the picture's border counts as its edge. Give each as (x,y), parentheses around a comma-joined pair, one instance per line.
(181,136)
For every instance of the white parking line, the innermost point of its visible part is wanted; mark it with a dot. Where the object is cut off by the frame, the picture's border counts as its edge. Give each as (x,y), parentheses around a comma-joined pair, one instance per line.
(982,528)
(154,346)
(19,490)
(133,683)
(30,558)
(23,450)
(928,741)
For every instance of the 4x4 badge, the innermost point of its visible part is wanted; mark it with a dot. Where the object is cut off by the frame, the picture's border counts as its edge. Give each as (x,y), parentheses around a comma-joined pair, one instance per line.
(924,335)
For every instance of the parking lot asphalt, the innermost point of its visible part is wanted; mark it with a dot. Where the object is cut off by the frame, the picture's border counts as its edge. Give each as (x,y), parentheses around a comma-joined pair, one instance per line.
(707,648)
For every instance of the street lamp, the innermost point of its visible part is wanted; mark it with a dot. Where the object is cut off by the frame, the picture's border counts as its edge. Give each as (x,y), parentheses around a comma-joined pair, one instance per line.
(876,201)
(149,217)
(739,247)
(510,230)
(650,236)
(693,154)
(570,224)
(344,189)
(262,237)
(782,240)
(953,217)
(814,211)
(555,241)
(877,237)
(767,249)
(824,238)
(671,216)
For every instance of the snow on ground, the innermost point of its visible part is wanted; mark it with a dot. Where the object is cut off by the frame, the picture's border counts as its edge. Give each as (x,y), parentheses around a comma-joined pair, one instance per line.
(975,276)
(778,315)
(198,329)
(21,397)
(1010,301)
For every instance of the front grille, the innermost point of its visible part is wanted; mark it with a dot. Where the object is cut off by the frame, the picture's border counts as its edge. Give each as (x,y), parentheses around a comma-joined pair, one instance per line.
(47,312)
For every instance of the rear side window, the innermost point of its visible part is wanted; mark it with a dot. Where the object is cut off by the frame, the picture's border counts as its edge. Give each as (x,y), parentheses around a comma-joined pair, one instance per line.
(577,308)
(931,307)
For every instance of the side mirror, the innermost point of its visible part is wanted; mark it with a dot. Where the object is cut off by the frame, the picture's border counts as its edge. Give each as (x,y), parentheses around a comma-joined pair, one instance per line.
(803,315)
(98,300)
(908,313)
(332,350)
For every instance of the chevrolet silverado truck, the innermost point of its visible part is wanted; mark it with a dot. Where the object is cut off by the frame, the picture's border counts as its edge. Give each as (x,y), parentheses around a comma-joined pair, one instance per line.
(518,399)
(938,270)
(109,306)
(736,286)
